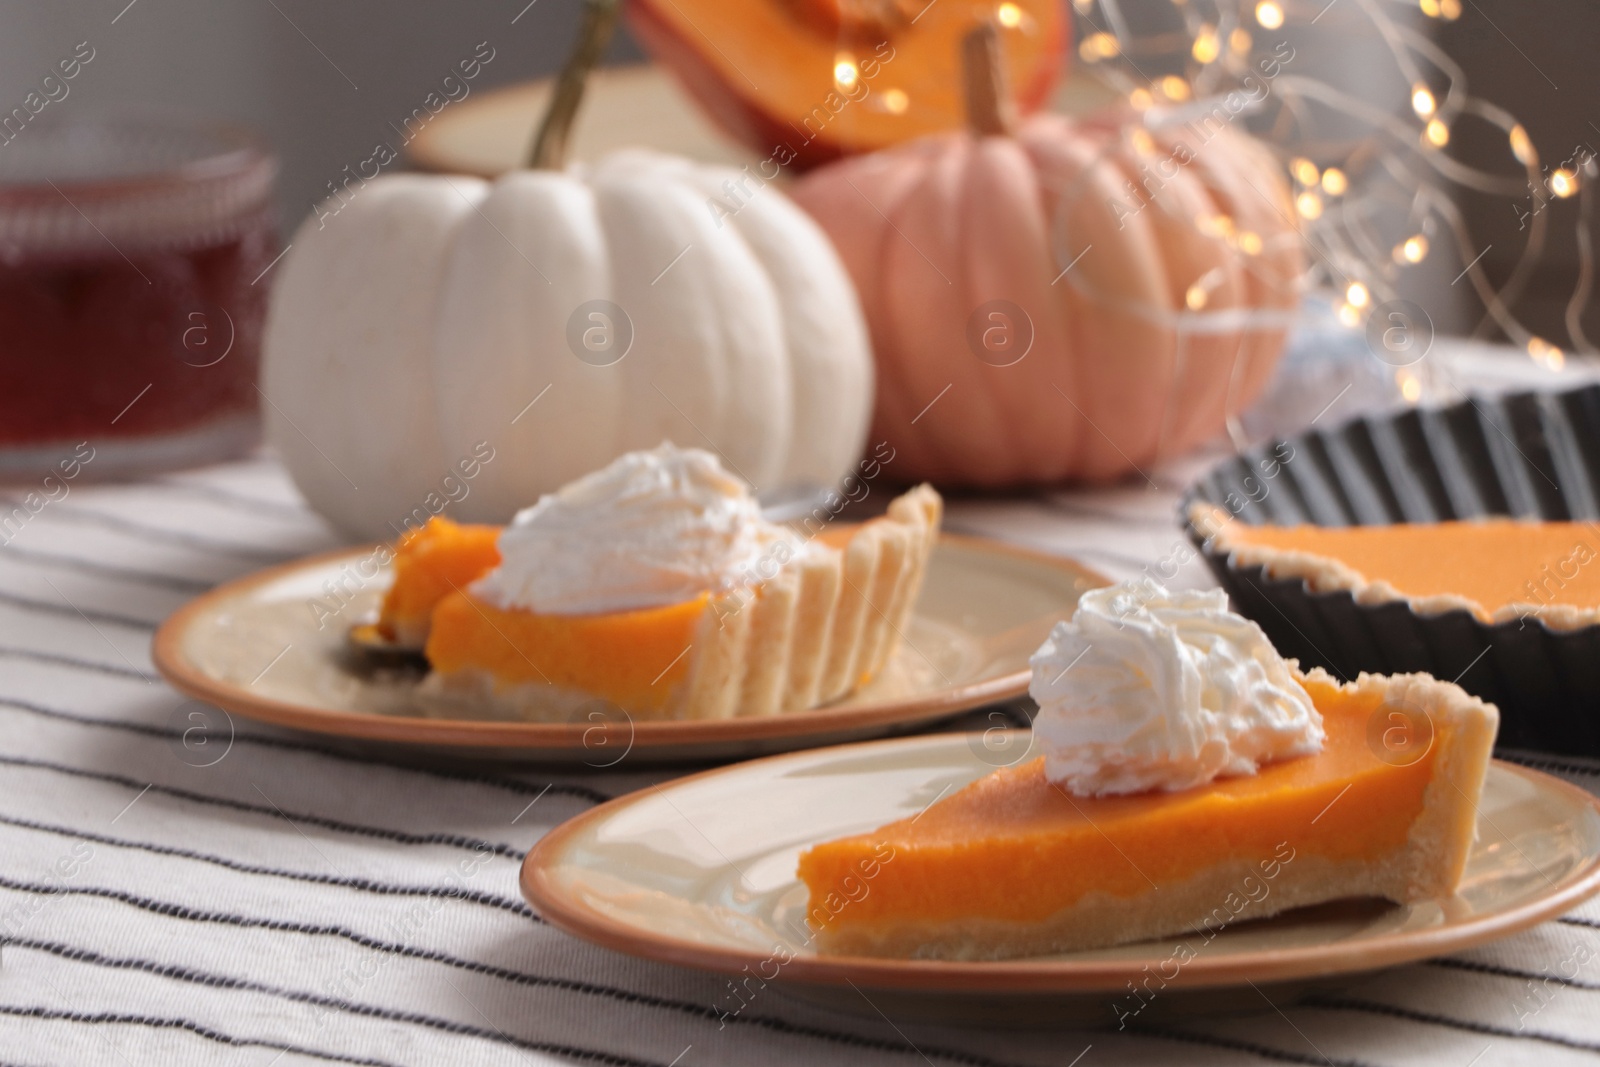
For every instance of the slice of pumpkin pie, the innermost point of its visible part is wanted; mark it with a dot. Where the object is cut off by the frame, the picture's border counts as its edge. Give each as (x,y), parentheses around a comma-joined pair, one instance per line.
(656,587)
(1191,778)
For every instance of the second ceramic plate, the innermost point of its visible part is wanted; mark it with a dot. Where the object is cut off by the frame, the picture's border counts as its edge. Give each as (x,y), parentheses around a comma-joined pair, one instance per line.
(272,647)
(701,872)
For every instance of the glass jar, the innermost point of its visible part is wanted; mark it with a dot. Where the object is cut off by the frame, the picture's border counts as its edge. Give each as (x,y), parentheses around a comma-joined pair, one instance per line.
(132,250)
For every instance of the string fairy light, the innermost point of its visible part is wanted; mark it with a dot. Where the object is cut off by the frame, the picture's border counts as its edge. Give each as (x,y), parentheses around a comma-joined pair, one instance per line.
(1542,351)
(1413,249)
(1371,205)
(845,71)
(1422,101)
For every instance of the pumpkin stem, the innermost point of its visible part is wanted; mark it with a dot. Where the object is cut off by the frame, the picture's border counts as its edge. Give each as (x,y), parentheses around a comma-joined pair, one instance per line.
(984,74)
(550,146)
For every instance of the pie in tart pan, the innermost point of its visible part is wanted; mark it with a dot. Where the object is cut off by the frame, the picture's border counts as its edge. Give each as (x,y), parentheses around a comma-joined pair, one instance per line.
(1478,557)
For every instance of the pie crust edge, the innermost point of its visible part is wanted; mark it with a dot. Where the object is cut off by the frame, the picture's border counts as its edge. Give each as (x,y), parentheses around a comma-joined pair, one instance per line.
(1323,574)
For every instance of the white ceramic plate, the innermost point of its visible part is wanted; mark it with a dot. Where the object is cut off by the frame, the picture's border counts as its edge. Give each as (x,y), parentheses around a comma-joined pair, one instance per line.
(701,872)
(262,648)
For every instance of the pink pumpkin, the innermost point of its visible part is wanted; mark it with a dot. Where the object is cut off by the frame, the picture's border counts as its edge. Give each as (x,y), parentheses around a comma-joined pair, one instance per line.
(1065,300)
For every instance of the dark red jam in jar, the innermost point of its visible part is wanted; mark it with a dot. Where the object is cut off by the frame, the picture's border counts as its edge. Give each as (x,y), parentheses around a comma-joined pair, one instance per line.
(132,251)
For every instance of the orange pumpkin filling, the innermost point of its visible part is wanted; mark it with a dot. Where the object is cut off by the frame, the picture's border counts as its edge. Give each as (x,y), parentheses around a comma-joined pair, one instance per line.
(1014,846)
(1495,563)
(430,563)
(433,567)
(633,658)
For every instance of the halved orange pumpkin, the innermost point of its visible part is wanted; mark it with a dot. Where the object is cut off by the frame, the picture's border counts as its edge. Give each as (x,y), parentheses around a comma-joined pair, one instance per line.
(805,81)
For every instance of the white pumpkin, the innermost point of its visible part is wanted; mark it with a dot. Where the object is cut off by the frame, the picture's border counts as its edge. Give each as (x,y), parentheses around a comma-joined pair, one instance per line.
(429,312)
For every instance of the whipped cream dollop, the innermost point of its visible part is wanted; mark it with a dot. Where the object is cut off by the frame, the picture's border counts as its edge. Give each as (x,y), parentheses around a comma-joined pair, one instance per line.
(651,529)
(1147,689)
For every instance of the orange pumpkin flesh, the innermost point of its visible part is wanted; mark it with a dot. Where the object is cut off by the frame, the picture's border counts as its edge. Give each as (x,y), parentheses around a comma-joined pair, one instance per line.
(765,69)
(1012,846)
(857,20)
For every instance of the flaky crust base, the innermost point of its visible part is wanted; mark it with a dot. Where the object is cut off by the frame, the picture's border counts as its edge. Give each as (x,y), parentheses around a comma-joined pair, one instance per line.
(1428,866)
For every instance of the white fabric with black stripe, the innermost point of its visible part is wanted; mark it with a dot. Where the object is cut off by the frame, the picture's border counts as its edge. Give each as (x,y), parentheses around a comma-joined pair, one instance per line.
(294,903)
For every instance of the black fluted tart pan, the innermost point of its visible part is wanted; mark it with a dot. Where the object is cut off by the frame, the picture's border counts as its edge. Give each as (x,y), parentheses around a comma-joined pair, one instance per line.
(1533,455)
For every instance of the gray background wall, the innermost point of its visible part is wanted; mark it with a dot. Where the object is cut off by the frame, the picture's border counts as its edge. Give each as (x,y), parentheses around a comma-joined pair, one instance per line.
(321,80)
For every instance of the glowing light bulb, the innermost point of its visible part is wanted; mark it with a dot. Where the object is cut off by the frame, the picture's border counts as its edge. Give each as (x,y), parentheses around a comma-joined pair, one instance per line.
(1410,386)
(1195,297)
(1239,40)
(1422,101)
(1250,242)
(845,71)
(1349,316)
(895,101)
(1141,140)
(1083,5)
(1269,14)
(1334,183)
(1305,171)
(1098,46)
(1206,46)
(1450,9)
(1008,15)
(1436,133)
(1357,295)
(1563,182)
(1546,354)
(1309,205)
(1522,147)
(1430,8)
(1174,88)
(1140,99)
(1412,250)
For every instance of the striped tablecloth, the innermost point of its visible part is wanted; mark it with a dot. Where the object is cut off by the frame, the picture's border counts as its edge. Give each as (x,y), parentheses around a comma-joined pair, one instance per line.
(294,904)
